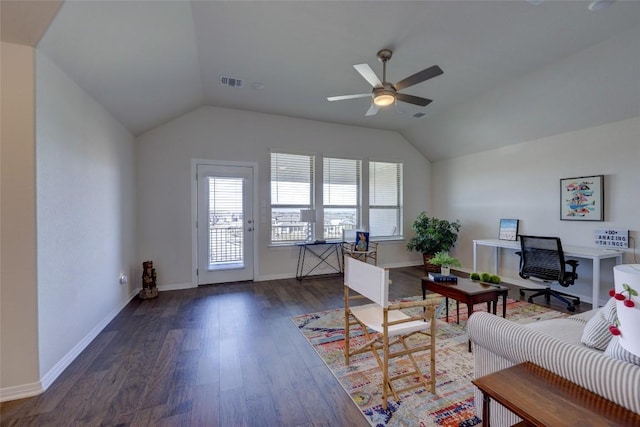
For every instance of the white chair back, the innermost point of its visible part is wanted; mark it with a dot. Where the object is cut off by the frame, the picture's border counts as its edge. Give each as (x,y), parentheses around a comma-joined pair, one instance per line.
(368,280)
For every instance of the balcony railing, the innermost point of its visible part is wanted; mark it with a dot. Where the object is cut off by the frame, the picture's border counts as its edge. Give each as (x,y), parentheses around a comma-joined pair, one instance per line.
(225,244)
(302,232)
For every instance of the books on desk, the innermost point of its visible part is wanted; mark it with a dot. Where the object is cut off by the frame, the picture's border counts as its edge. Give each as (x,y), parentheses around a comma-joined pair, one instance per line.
(437,277)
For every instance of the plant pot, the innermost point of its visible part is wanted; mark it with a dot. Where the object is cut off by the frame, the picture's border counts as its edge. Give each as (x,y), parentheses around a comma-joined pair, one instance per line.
(428,267)
(445,270)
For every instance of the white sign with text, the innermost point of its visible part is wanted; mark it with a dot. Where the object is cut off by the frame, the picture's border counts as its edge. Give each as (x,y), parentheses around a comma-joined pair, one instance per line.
(612,238)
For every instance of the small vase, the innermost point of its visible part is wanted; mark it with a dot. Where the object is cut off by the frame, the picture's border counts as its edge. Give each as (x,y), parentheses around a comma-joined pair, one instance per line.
(445,271)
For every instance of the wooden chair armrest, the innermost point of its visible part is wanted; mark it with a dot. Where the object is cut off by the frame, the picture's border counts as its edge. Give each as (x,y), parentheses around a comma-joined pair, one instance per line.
(410,304)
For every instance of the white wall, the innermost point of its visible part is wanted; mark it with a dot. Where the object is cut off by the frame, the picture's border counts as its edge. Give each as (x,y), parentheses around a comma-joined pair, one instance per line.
(523,181)
(85,214)
(164,181)
(19,375)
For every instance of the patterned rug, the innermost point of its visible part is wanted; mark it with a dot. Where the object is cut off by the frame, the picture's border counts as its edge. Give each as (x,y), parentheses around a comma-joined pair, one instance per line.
(452,405)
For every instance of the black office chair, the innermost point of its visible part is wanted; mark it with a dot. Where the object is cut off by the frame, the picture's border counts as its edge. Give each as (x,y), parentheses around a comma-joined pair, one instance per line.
(542,258)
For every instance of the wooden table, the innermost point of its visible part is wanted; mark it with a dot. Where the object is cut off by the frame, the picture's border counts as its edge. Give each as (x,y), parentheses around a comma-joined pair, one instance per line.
(468,292)
(542,398)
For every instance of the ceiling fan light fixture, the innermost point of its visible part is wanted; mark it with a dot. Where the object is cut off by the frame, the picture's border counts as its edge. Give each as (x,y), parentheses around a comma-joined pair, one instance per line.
(384,95)
(384,99)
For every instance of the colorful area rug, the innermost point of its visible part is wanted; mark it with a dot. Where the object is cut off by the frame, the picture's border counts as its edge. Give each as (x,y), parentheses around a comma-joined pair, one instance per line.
(452,405)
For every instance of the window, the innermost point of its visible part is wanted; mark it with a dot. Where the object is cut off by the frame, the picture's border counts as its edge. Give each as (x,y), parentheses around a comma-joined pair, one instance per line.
(336,191)
(340,196)
(385,199)
(292,189)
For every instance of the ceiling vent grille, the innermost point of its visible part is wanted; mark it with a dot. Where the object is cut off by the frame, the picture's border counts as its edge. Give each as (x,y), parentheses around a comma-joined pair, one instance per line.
(231,82)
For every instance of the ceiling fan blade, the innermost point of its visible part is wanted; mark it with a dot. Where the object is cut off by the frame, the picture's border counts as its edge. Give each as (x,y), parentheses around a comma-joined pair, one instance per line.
(368,74)
(423,102)
(373,110)
(419,77)
(341,97)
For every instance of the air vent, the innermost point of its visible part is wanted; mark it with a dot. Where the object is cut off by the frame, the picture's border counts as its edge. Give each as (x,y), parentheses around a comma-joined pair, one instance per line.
(231,82)
(418,115)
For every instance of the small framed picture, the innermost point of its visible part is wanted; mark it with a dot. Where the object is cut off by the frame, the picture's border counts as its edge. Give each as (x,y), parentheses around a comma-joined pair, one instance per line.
(508,229)
(582,198)
(362,241)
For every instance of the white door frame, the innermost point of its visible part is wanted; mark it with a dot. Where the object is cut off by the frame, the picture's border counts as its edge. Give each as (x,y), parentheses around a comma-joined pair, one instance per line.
(194,212)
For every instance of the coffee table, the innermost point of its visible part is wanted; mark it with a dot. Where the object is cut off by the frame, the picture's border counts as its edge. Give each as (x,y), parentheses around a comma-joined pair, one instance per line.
(542,398)
(468,292)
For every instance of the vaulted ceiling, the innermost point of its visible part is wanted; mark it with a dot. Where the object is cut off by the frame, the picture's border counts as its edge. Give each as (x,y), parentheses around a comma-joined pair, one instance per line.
(148,62)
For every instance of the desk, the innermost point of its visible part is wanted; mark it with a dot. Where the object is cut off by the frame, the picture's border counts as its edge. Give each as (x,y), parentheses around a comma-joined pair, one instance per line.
(542,398)
(596,255)
(321,253)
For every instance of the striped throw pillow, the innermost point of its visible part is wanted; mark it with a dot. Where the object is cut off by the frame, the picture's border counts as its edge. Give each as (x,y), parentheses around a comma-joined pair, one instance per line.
(616,351)
(596,332)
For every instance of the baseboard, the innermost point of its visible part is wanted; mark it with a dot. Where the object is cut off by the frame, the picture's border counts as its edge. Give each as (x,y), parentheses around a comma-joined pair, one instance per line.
(176,287)
(63,363)
(264,278)
(21,391)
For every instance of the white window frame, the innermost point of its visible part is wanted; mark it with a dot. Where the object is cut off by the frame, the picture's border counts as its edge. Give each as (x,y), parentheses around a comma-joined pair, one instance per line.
(358,202)
(317,202)
(292,227)
(398,206)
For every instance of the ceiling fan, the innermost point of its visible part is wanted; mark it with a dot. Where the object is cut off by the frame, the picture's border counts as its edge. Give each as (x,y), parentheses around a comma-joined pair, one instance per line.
(385,93)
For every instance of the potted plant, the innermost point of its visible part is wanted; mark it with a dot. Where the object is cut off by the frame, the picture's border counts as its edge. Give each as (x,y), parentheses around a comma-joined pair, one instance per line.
(445,261)
(433,235)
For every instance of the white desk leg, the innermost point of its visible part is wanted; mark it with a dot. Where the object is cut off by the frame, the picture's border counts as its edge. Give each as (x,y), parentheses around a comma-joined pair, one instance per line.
(596,283)
(497,261)
(475,256)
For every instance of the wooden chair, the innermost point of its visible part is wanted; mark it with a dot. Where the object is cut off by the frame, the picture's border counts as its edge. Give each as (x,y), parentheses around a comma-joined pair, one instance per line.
(349,248)
(391,327)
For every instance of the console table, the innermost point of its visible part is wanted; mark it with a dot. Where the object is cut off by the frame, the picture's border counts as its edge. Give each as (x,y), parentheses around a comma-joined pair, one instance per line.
(596,255)
(320,253)
(542,398)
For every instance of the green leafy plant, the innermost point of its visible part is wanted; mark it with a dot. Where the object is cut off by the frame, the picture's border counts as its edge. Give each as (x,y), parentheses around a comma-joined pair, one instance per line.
(433,235)
(485,277)
(495,279)
(443,258)
(474,276)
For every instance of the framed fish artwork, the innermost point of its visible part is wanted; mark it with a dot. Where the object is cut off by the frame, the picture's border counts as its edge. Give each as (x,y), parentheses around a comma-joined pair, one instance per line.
(582,198)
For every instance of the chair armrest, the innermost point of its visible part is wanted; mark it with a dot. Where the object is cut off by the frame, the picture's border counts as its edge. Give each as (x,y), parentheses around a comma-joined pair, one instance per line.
(573,263)
(411,304)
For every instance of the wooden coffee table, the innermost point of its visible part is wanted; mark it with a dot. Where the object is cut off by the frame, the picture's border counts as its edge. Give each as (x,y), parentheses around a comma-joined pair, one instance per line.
(542,398)
(468,292)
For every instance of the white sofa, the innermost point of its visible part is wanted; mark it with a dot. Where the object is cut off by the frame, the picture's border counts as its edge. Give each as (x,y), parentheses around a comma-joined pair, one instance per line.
(554,345)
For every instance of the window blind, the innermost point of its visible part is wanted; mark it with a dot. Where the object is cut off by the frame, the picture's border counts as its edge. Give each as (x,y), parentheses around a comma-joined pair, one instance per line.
(292,181)
(385,199)
(341,191)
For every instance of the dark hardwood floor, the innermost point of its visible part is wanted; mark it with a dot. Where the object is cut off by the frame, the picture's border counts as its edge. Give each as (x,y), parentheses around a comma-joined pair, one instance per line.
(219,355)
